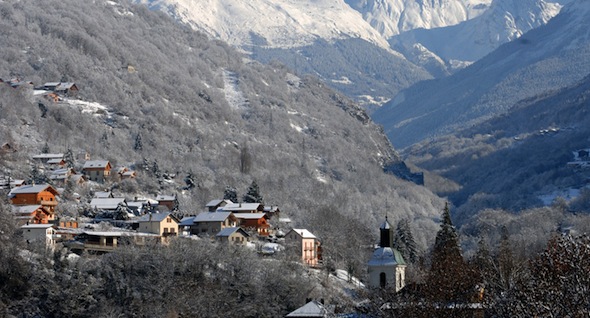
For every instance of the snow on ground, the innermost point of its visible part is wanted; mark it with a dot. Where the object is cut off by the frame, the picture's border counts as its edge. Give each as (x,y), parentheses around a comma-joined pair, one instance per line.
(233,95)
(85,107)
(342,80)
(567,194)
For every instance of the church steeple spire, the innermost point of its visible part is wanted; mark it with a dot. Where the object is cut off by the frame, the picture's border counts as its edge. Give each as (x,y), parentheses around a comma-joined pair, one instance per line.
(386,233)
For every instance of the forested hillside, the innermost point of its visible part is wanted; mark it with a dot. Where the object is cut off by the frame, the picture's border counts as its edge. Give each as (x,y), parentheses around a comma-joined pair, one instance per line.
(517,160)
(197,107)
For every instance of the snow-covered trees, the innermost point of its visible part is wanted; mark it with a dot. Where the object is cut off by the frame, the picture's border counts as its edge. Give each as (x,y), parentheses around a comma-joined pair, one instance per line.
(231,194)
(403,241)
(253,194)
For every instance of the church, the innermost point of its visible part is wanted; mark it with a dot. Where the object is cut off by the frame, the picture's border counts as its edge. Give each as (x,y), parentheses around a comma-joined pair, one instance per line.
(387,268)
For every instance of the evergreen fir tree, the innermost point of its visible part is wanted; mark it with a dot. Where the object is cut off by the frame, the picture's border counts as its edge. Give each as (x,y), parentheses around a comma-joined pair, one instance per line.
(69,158)
(449,279)
(138,143)
(404,241)
(230,193)
(45,148)
(253,194)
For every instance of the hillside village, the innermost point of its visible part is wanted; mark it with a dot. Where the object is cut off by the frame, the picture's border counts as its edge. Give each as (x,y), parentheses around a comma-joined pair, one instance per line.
(138,220)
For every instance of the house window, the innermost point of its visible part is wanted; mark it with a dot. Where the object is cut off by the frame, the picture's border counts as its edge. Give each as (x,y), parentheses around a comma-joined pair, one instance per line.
(168,220)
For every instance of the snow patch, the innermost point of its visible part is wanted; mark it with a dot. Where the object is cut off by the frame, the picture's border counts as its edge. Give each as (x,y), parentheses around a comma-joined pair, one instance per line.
(233,95)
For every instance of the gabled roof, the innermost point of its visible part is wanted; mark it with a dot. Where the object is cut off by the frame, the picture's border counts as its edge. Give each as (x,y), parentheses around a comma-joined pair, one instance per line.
(311,309)
(212,217)
(217,202)
(49,156)
(106,203)
(33,188)
(166,197)
(240,207)
(303,233)
(250,216)
(28,209)
(231,230)
(187,221)
(103,194)
(103,164)
(55,161)
(156,217)
(36,226)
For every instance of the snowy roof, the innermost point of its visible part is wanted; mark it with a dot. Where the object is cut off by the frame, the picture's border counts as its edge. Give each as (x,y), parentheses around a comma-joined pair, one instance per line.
(212,217)
(36,226)
(311,309)
(249,216)
(385,225)
(96,164)
(49,156)
(155,217)
(386,256)
(51,84)
(187,221)
(25,208)
(34,188)
(117,233)
(54,161)
(166,197)
(106,203)
(231,230)
(213,203)
(303,233)
(103,194)
(240,207)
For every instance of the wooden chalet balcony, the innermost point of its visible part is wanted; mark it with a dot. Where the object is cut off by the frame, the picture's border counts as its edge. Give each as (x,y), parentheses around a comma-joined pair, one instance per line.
(48,203)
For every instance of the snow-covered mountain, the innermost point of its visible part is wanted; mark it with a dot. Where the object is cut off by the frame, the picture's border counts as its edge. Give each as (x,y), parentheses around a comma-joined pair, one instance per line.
(345,42)
(272,23)
(546,58)
(392,17)
(470,40)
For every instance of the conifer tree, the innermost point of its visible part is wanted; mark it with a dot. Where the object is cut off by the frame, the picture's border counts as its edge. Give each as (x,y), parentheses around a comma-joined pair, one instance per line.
(189,180)
(138,143)
(253,194)
(449,279)
(231,194)
(404,242)
(69,158)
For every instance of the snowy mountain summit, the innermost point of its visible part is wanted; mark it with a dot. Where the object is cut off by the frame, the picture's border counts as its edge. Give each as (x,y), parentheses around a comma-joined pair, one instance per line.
(271,23)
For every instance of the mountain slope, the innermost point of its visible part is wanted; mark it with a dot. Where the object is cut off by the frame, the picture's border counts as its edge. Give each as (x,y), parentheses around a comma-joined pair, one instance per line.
(393,17)
(471,40)
(550,57)
(304,35)
(520,156)
(199,109)
(270,23)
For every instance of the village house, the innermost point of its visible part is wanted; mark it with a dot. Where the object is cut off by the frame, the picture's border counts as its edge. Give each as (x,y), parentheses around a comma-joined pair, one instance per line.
(107,241)
(234,235)
(208,223)
(107,204)
(168,201)
(163,224)
(216,204)
(61,88)
(125,173)
(257,222)
(44,233)
(45,157)
(312,309)
(305,244)
(97,170)
(31,214)
(60,176)
(56,163)
(43,194)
